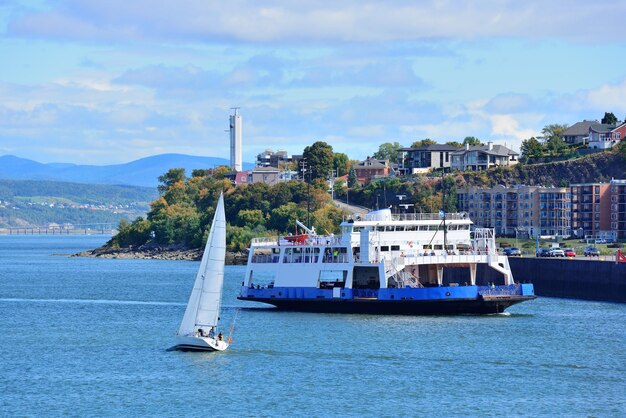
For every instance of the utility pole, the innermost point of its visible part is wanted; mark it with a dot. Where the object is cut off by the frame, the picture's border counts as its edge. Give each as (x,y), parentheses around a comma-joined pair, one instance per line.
(303,163)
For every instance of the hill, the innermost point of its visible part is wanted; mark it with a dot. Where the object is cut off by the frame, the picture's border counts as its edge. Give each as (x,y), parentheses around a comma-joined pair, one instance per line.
(142,172)
(601,167)
(37,203)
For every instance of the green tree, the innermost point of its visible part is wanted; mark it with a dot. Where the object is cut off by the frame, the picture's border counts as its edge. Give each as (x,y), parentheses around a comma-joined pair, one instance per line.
(471,141)
(531,149)
(173,175)
(388,151)
(284,217)
(553,130)
(251,218)
(319,160)
(609,118)
(352,179)
(423,142)
(340,163)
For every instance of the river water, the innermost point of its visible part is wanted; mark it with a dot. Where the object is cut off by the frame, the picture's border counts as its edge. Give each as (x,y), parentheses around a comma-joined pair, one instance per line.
(89,337)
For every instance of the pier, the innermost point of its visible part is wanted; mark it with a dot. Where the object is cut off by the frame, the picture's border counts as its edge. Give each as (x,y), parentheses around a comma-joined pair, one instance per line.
(74,229)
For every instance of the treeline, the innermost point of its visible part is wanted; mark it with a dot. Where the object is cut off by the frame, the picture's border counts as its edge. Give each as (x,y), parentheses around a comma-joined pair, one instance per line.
(92,194)
(182,214)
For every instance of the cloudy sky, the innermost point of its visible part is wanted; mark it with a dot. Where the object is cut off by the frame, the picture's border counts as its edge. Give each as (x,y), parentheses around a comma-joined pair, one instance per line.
(103,82)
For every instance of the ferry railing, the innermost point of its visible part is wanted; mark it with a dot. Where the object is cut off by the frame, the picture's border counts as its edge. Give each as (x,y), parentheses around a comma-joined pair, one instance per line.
(282,241)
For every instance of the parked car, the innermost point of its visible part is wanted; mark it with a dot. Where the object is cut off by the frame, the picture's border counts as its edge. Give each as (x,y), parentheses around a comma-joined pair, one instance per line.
(512,252)
(569,252)
(543,252)
(556,252)
(591,252)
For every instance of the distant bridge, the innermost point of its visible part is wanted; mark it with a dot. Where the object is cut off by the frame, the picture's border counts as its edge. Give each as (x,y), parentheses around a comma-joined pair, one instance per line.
(65,229)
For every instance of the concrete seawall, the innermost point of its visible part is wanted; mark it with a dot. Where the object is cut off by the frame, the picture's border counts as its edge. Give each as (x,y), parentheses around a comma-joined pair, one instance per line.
(578,279)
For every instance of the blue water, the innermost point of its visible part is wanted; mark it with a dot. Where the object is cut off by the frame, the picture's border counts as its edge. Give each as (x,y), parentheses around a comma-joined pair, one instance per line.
(81,336)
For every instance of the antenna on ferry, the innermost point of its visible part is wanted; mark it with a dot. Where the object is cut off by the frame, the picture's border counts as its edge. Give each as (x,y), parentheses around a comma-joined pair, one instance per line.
(443,210)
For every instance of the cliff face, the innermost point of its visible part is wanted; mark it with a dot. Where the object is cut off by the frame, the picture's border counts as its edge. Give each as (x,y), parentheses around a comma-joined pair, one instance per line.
(594,168)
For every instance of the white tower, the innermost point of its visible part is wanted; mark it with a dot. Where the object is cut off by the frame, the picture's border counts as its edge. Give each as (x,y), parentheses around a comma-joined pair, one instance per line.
(235,140)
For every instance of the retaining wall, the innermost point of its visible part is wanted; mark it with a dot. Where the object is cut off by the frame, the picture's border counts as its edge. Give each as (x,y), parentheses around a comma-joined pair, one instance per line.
(571,278)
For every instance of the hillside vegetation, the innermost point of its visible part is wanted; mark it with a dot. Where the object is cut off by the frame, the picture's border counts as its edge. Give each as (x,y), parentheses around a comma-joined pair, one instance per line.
(600,167)
(31,203)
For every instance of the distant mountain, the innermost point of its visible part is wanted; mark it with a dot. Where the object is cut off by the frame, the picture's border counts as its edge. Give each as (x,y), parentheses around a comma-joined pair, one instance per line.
(142,172)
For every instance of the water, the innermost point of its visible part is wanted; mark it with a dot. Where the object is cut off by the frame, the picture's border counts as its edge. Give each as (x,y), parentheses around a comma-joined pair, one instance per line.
(81,336)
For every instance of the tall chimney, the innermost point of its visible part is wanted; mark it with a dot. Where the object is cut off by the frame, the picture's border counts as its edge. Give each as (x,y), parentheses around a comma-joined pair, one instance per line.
(489,146)
(235,140)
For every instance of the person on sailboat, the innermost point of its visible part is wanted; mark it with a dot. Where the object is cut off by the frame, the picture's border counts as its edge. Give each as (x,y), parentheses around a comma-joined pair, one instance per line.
(220,336)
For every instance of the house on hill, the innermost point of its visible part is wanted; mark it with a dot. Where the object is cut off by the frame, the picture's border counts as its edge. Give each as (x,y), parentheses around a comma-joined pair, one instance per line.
(371,168)
(425,158)
(482,157)
(578,133)
(602,136)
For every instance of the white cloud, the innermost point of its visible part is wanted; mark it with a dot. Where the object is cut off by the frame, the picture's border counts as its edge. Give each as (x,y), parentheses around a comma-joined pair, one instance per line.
(323,21)
(609,98)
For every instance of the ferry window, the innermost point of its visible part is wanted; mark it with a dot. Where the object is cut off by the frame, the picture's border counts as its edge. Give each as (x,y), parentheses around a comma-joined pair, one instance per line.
(452,227)
(438,247)
(389,228)
(423,227)
(395,248)
(428,247)
(433,227)
(357,229)
(410,228)
(384,248)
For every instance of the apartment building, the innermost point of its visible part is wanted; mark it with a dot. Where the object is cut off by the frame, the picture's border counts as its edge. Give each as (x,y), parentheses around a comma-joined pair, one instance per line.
(519,210)
(618,208)
(591,210)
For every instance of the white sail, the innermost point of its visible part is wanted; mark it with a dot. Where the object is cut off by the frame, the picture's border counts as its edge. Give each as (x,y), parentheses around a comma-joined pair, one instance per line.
(204,303)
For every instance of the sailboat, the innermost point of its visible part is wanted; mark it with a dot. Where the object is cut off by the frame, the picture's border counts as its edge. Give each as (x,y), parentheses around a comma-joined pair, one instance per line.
(198,329)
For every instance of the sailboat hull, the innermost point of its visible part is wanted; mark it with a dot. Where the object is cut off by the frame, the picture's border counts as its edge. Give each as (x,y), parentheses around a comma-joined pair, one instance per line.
(192,343)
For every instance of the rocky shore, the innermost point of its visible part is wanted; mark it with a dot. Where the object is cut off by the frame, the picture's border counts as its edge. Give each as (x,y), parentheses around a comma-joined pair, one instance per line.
(159,253)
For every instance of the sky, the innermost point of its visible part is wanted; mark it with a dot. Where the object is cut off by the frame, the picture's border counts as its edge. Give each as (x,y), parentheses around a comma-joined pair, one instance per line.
(105,82)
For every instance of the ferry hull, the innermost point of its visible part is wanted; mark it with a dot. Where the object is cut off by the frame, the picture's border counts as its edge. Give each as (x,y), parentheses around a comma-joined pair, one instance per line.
(396,307)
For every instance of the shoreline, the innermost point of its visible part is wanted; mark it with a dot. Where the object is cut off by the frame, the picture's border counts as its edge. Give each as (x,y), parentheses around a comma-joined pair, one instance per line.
(158,253)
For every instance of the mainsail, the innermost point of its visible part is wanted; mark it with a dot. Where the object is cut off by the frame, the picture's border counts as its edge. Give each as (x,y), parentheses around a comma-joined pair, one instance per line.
(204,303)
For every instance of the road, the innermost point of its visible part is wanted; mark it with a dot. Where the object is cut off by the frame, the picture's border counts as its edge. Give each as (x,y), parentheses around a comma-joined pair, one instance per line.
(355,210)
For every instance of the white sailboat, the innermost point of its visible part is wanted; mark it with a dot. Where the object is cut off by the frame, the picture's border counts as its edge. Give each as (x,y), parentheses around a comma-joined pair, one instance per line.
(198,329)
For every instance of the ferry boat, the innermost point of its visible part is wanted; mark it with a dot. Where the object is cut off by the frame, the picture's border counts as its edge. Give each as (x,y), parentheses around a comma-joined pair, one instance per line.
(384,263)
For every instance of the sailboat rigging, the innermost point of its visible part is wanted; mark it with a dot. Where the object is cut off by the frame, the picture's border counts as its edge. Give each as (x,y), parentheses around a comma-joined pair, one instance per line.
(198,329)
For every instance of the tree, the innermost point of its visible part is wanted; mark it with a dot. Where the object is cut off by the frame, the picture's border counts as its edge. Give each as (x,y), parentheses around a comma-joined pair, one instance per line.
(609,118)
(471,141)
(531,149)
(340,163)
(319,160)
(388,151)
(551,131)
(173,175)
(456,144)
(423,142)
(352,179)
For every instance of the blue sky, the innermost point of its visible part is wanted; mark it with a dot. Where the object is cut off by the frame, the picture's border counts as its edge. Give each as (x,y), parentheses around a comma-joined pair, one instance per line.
(99,82)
